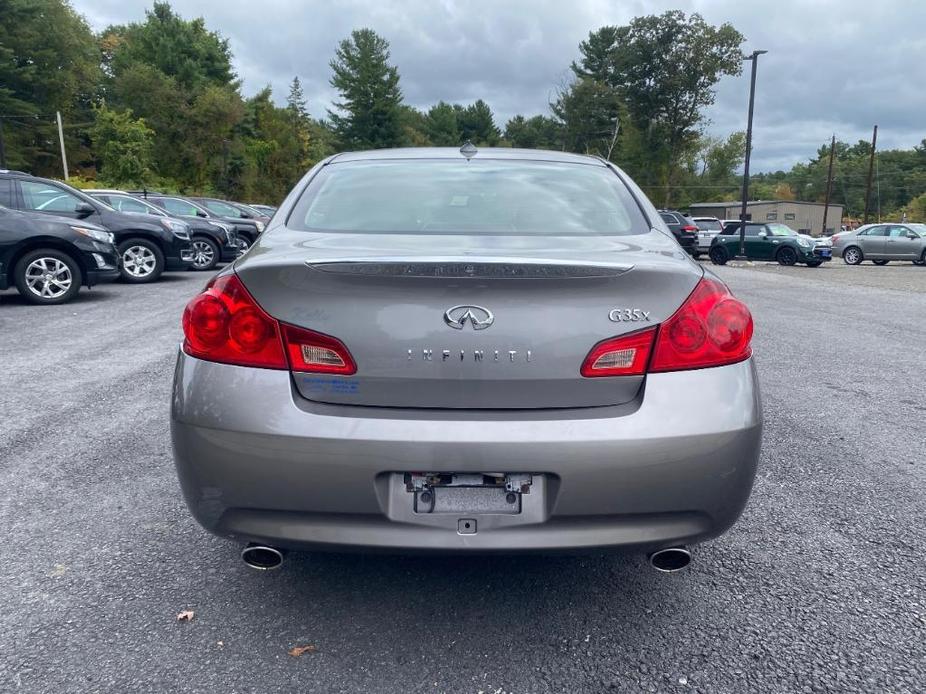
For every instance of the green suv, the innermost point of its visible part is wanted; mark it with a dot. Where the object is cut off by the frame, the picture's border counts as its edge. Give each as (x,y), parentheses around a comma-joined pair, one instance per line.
(776,242)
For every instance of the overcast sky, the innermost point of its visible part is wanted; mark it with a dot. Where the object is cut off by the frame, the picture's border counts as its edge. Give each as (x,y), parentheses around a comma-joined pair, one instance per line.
(833,65)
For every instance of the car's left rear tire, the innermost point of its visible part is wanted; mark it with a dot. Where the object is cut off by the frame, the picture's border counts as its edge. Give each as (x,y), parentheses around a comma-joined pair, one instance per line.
(786,256)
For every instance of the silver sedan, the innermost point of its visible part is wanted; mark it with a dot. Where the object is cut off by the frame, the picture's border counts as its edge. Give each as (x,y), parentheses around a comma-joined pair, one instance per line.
(882,243)
(466,351)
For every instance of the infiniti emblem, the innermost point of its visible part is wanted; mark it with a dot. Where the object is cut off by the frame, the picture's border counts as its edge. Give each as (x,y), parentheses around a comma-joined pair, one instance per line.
(478,317)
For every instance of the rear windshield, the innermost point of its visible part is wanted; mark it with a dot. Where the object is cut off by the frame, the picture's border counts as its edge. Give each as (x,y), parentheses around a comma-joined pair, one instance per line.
(709,224)
(472,197)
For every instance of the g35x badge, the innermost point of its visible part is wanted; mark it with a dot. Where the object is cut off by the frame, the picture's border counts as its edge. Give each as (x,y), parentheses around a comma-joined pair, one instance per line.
(625,315)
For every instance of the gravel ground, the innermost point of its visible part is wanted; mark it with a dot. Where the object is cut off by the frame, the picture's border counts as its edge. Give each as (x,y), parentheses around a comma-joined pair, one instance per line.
(819,587)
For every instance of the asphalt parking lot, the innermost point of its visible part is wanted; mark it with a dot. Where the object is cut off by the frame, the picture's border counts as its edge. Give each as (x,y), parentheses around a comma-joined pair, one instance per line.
(820,587)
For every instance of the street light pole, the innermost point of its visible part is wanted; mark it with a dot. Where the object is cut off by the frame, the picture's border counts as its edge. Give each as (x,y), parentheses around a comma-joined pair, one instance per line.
(752,99)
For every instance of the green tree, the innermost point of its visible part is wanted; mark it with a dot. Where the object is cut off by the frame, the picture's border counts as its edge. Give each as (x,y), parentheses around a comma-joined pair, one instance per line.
(368,116)
(441,126)
(182,49)
(537,132)
(663,69)
(299,117)
(123,145)
(590,114)
(49,61)
(477,124)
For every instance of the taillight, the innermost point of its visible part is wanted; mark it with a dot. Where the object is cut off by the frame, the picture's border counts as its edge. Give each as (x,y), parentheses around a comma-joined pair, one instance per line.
(225,324)
(626,355)
(712,328)
(689,228)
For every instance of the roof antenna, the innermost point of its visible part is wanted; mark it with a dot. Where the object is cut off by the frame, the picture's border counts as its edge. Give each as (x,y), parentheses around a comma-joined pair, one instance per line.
(468,150)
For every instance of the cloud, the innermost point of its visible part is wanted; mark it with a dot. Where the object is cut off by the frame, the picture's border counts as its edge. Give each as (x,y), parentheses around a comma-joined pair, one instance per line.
(833,66)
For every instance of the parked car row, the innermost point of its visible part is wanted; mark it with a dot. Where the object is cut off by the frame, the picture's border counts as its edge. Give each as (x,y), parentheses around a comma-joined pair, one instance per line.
(55,238)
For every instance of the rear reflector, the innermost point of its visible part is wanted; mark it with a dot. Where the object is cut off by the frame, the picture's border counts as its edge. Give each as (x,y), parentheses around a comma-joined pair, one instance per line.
(225,324)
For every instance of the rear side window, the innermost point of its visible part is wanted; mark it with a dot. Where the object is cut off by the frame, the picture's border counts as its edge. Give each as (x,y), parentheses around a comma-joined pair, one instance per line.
(489,197)
(222,209)
(177,206)
(6,192)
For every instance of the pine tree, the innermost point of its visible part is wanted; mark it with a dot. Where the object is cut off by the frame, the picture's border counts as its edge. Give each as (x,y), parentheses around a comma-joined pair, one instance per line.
(369,113)
(296,103)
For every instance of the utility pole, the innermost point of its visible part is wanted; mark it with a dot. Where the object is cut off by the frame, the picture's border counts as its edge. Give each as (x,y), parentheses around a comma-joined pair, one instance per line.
(2,147)
(64,156)
(871,168)
(829,185)
(752,99)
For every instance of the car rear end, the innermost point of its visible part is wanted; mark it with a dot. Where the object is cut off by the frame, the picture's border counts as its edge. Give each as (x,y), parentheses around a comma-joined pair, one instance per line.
(708,228)
(428,353)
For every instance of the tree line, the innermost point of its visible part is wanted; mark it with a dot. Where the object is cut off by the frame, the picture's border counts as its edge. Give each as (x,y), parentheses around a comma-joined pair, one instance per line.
(157,103)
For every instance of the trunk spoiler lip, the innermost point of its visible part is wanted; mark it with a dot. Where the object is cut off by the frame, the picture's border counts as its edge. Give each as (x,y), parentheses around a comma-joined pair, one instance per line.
(466,265)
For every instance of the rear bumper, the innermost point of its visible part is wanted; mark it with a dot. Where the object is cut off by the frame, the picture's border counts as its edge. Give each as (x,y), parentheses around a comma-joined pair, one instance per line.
(257,462)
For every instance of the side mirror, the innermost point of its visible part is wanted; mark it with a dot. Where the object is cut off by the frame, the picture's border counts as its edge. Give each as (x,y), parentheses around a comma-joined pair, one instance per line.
(912,236)
(763,234)
(84,209)
(200,213)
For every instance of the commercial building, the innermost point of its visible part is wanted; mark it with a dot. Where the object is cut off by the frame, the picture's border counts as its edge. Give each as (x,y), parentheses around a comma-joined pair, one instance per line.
(805,217)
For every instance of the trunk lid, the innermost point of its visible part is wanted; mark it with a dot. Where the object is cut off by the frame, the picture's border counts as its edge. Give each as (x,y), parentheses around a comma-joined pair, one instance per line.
(433,323)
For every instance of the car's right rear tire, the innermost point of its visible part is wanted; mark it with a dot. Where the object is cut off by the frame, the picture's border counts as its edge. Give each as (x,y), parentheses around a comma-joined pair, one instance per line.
(718,255)
(880,262)
(852,255)
(142,261)
(922,260)
(206,253)
(47,276)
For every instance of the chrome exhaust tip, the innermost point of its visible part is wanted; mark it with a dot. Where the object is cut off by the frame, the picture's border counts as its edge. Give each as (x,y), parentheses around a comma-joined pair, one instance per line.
(670,559)
(262,557)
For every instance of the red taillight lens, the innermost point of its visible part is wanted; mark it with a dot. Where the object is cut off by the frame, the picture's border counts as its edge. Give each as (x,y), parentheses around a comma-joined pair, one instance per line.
(688,228)
(225,324)
(312,351)
(711,328)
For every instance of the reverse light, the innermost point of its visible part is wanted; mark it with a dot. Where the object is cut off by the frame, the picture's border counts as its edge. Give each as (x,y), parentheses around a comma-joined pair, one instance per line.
(312,351)
(626,355)
(225,324)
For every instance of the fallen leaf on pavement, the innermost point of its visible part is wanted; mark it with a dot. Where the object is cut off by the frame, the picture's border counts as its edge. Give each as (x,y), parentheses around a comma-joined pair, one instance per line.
(185,616)
(296,651)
